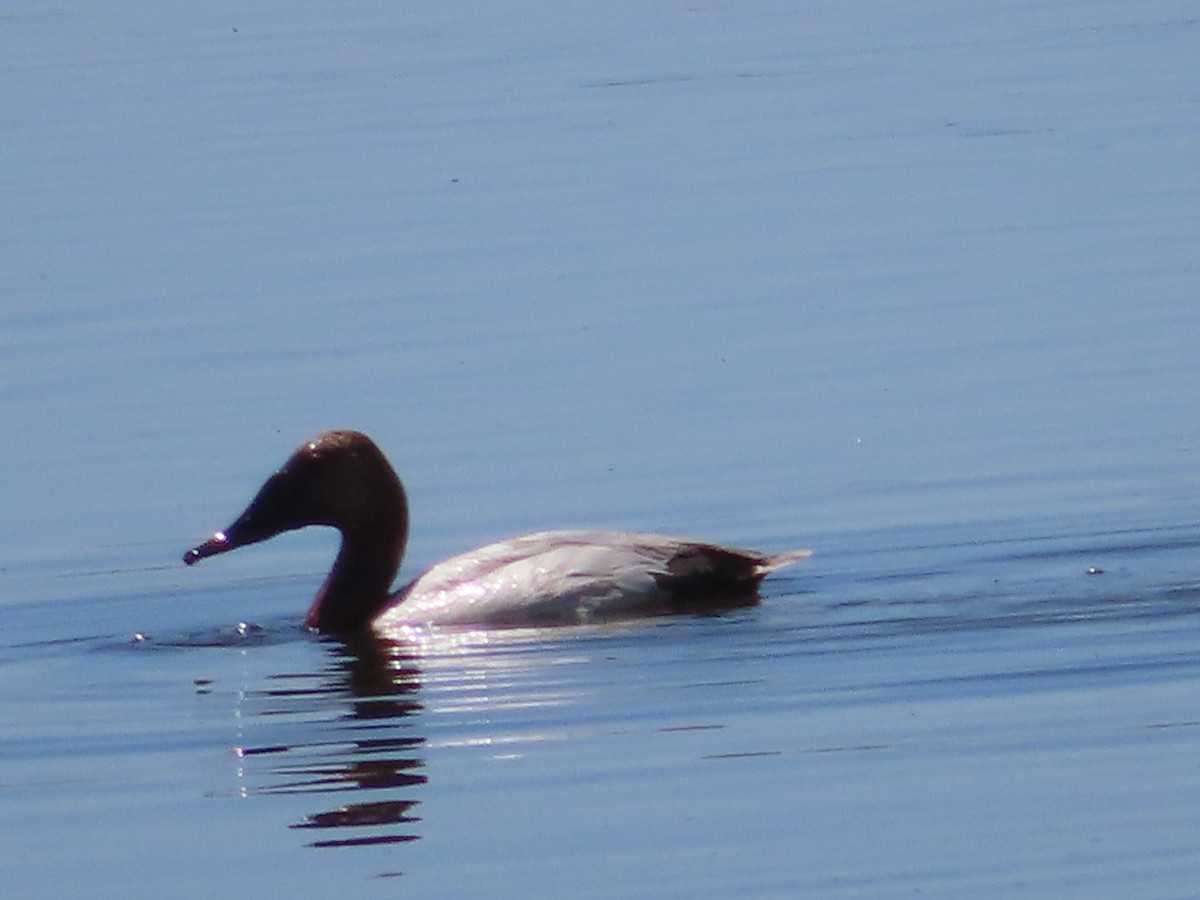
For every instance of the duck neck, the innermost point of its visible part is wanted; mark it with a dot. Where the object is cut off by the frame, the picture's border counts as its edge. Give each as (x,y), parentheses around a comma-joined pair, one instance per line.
(357,587)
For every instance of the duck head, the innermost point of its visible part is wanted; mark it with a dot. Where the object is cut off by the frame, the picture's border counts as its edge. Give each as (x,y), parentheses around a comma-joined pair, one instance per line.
(339,479)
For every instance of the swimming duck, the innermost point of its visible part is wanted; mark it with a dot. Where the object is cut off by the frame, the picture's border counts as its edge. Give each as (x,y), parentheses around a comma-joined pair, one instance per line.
(341,479)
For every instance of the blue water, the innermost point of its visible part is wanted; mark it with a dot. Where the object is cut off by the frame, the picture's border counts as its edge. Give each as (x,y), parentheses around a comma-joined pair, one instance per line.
(916,289)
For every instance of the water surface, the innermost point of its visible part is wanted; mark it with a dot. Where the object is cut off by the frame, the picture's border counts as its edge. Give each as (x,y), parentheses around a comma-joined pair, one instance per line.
(915,290)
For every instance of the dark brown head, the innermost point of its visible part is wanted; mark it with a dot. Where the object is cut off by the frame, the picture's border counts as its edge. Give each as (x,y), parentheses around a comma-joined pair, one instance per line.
(339,479)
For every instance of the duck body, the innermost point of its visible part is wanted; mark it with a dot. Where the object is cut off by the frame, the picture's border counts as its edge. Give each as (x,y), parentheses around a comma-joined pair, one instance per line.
(579,577)
(341,479)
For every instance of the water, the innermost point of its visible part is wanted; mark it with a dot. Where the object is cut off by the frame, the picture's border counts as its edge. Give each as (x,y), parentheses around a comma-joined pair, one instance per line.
(917,292)
(1015,722)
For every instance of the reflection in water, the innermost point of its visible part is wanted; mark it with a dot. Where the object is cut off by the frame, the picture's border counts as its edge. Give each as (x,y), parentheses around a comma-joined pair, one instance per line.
(373,685)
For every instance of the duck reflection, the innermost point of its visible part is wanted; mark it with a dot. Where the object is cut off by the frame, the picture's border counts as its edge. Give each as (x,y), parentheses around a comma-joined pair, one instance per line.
(373,684)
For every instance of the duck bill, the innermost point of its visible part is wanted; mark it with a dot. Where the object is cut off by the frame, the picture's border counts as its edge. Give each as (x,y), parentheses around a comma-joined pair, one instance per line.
(239,534)
(269,513)
(248,529)
(218,543)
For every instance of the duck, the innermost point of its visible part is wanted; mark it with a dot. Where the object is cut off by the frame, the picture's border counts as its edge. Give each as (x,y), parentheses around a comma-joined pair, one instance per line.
(341,479)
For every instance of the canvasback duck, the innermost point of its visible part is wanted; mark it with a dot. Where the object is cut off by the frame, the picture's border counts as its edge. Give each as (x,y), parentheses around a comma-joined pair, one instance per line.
(341,479)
